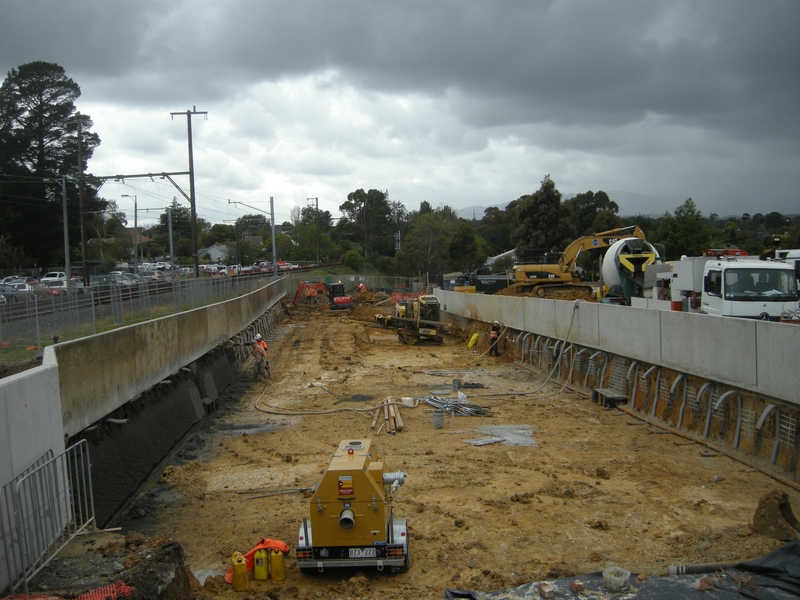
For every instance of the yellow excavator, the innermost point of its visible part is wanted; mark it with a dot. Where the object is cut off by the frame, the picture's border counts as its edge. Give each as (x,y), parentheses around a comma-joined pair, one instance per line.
(556,279)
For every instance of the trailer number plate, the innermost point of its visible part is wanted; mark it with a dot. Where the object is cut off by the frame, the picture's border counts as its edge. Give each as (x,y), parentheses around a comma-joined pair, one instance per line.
(362,553)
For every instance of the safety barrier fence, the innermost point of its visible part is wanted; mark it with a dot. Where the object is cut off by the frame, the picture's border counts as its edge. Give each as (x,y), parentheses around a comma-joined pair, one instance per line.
(42,509)
(31,320)
(372,283)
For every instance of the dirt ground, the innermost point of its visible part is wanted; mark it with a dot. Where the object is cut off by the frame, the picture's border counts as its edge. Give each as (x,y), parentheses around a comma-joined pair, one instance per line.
(598,488)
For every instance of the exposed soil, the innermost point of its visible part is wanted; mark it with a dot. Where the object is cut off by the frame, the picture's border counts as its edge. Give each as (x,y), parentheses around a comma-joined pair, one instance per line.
(598,488)
(12,368)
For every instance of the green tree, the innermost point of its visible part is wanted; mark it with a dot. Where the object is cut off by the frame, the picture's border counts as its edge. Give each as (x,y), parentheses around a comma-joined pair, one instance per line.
(39,139)
(685,233)
(466,250)
(370,211)
(585,208)
(540,221)
(353,260)
(182,225)
(605,221)
(425,246)
(775,222)
(495,228)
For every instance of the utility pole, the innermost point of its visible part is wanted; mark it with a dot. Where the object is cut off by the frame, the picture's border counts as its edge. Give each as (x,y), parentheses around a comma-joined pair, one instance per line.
(189,114)
(62,181)
(135,232)
(272,220)
(84,264)
(316,222)
(171,251)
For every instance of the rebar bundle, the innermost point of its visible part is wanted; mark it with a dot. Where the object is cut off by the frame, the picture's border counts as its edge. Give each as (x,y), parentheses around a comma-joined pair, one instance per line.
(456,406)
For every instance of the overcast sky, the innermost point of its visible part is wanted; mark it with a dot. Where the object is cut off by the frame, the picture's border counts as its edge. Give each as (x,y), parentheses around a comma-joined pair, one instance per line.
(459,102)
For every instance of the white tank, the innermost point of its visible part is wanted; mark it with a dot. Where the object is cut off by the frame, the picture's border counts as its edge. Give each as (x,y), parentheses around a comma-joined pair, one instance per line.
(611,262)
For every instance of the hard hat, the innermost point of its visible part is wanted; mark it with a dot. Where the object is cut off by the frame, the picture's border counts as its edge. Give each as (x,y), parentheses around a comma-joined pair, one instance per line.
(496,323)
(258,336)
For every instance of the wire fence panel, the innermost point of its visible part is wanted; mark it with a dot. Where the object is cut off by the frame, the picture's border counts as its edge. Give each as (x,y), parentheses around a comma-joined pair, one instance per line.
(11,556)
(29,321)
(52,503)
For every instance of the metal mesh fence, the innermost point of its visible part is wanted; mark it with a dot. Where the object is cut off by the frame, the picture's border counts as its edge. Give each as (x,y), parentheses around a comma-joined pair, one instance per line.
(29,321)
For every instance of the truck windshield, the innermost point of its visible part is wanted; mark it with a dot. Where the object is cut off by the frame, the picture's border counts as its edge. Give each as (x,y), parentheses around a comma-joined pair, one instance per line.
(760,284)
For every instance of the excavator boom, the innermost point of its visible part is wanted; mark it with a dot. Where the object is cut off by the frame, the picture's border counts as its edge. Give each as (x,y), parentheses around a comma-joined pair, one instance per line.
(561,272)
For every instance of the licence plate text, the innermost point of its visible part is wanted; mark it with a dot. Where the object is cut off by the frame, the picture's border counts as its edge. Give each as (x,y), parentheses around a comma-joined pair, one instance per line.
(362,553)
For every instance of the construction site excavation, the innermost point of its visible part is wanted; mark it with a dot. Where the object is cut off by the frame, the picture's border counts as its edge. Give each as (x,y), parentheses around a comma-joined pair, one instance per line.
(490,474)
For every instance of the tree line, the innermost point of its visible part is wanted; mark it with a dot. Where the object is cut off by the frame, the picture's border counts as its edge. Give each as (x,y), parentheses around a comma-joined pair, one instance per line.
(46,142)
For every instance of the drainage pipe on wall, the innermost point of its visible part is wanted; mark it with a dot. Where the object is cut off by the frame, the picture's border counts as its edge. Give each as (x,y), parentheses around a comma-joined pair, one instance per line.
(520,343)
(699,397)
(674,387)
(633,370)
(574,362)
(536,348)
(763,419)
(647,389)
(593,359)
(722,399)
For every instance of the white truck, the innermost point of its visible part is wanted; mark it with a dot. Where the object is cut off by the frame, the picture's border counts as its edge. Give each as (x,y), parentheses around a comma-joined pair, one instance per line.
(728,287)
(790,257)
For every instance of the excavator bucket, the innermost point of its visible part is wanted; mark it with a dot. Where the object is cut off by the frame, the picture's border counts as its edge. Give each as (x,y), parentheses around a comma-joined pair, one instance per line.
(774,517)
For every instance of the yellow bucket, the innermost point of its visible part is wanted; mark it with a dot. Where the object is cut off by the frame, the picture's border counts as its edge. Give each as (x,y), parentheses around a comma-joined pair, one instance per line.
(239,568)
(260,565)
(276,565)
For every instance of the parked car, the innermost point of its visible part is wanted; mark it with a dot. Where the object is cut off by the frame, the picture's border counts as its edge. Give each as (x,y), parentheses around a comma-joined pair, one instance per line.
(101,282)
(8,294)
(10,278)
(133,279)
(120,279)
(54,287)
(53,276)
(24,288)
(23,279)
(152,275)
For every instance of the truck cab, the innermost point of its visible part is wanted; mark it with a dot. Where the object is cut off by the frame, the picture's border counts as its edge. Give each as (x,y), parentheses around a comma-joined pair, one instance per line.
(751,289)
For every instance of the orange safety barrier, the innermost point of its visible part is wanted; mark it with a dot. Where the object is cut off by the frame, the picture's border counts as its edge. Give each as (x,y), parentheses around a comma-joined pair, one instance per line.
(113,591)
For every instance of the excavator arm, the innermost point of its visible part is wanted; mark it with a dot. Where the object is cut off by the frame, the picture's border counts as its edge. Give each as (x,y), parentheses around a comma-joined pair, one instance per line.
(595,241)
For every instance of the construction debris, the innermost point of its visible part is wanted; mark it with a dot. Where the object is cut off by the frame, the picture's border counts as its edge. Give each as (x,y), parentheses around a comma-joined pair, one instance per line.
(391,417)
(511,435)
(457,406)
(774,517)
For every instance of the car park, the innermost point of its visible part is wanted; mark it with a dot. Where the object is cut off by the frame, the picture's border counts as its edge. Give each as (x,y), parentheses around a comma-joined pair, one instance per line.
(23,279)
(152,275)
(133,279)
(54,287)
(8,294)
(53,276)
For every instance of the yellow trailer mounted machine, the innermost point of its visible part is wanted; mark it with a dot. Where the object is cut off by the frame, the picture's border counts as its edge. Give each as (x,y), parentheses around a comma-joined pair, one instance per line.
(351,522)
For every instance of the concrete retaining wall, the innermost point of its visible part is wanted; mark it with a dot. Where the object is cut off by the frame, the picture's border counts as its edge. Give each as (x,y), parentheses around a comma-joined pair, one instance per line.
(757,356)
(80,382)
(98,374)
(30,417)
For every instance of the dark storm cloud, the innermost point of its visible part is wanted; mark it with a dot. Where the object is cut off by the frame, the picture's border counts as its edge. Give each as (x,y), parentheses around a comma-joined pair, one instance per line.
(583,85)
(729,65)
